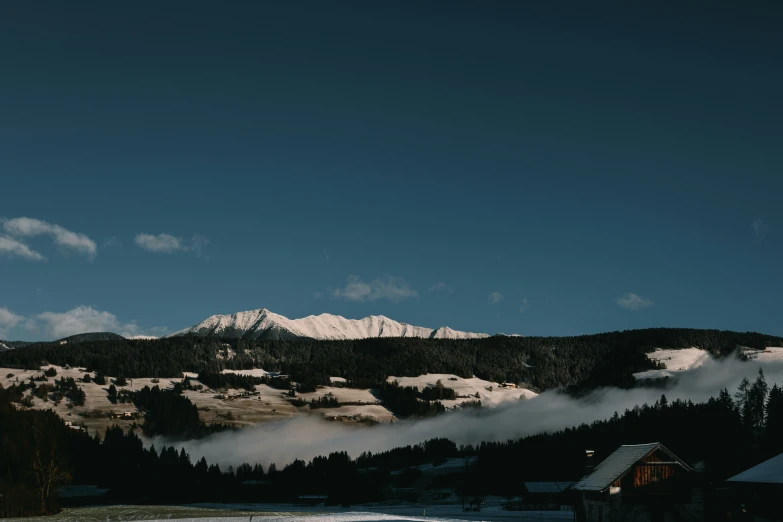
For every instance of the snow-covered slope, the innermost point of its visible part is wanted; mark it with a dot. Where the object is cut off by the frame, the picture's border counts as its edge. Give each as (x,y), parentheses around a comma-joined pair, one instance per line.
(675,361)
(4,347)
(263,324)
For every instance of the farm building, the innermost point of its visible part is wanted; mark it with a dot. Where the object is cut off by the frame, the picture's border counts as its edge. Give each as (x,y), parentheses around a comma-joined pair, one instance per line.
(639,483)
(547,495)
(759,490)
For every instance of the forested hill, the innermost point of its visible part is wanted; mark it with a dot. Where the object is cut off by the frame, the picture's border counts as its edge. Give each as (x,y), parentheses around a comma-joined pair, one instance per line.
(538,362)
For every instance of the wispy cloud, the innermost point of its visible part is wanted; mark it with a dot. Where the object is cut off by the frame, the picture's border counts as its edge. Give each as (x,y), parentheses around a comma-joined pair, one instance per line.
(67,239)
(198,243)
(631,301)
(317,295)
(8,320)
(495,298)
(112,242)
(12,247)
(524,306)
(759,229)
(85,319)
(441,288)
(168,244)
(392,288)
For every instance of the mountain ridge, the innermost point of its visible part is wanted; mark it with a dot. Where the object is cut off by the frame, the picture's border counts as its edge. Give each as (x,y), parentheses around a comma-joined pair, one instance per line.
(264,324)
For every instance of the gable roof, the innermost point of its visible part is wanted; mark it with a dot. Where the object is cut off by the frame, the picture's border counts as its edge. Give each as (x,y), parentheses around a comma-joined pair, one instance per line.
(547,487)
(768,472)
(618,463)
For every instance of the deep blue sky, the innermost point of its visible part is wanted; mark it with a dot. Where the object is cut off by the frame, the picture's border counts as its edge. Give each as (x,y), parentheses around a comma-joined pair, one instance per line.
(562,157)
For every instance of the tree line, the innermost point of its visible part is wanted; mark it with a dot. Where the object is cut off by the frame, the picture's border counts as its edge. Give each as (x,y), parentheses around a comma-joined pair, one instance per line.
(539,363)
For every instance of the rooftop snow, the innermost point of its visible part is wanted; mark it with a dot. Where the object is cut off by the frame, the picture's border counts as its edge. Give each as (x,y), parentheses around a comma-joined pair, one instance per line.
(768,472)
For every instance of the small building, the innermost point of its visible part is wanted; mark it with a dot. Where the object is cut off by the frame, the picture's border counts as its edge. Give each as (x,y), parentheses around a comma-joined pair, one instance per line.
(311,500)
(758,490)
(546,496)
(639,483)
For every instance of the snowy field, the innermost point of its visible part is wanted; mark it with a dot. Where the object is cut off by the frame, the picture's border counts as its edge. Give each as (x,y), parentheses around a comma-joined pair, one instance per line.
(769,355)
(270,404)
(676,361)
(96,405)
(289,513)
(226,406)
(490,393)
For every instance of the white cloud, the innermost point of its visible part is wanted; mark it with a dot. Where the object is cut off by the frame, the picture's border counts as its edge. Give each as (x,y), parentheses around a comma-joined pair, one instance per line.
(631,301)
(168,244)
(388,287)
(495,298)
(524,306)
(163,243)
(442,288)
(12,247)
(29,227)
(8,319)
(85,319)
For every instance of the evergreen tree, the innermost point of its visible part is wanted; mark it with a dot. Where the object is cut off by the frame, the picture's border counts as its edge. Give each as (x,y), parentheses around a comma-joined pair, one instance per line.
(773,433)
(757,399)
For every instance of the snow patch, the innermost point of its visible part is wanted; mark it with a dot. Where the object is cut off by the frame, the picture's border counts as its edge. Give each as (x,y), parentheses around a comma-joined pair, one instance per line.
(489,393)
(255,372)
(768,355)
(676,361)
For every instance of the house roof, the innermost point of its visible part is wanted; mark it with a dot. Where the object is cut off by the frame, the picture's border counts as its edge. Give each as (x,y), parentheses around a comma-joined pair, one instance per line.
(618,463)
(547,487)
(768,472)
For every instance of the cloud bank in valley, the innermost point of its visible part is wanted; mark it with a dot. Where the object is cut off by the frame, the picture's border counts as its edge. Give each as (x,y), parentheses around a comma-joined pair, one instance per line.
(304,438)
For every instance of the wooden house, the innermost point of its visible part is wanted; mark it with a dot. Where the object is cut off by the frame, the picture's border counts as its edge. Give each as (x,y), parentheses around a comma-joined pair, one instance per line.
(639,483)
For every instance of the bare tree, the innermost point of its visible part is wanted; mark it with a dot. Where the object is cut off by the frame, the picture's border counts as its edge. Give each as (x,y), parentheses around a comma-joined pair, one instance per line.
(49,465)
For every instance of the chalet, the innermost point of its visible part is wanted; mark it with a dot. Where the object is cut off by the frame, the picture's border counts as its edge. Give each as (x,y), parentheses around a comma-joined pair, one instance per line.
(639,483)
(759,489)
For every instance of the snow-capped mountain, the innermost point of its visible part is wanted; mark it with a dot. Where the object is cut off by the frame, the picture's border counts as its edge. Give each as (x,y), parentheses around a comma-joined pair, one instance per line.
(263,324)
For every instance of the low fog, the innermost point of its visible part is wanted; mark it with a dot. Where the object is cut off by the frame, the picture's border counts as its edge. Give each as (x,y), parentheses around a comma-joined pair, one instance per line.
(304,438)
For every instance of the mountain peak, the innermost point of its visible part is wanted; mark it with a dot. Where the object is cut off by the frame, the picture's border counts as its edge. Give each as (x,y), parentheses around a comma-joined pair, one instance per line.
(263,324)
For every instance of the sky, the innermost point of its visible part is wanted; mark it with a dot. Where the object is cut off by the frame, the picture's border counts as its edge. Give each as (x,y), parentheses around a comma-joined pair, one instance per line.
(491,166)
